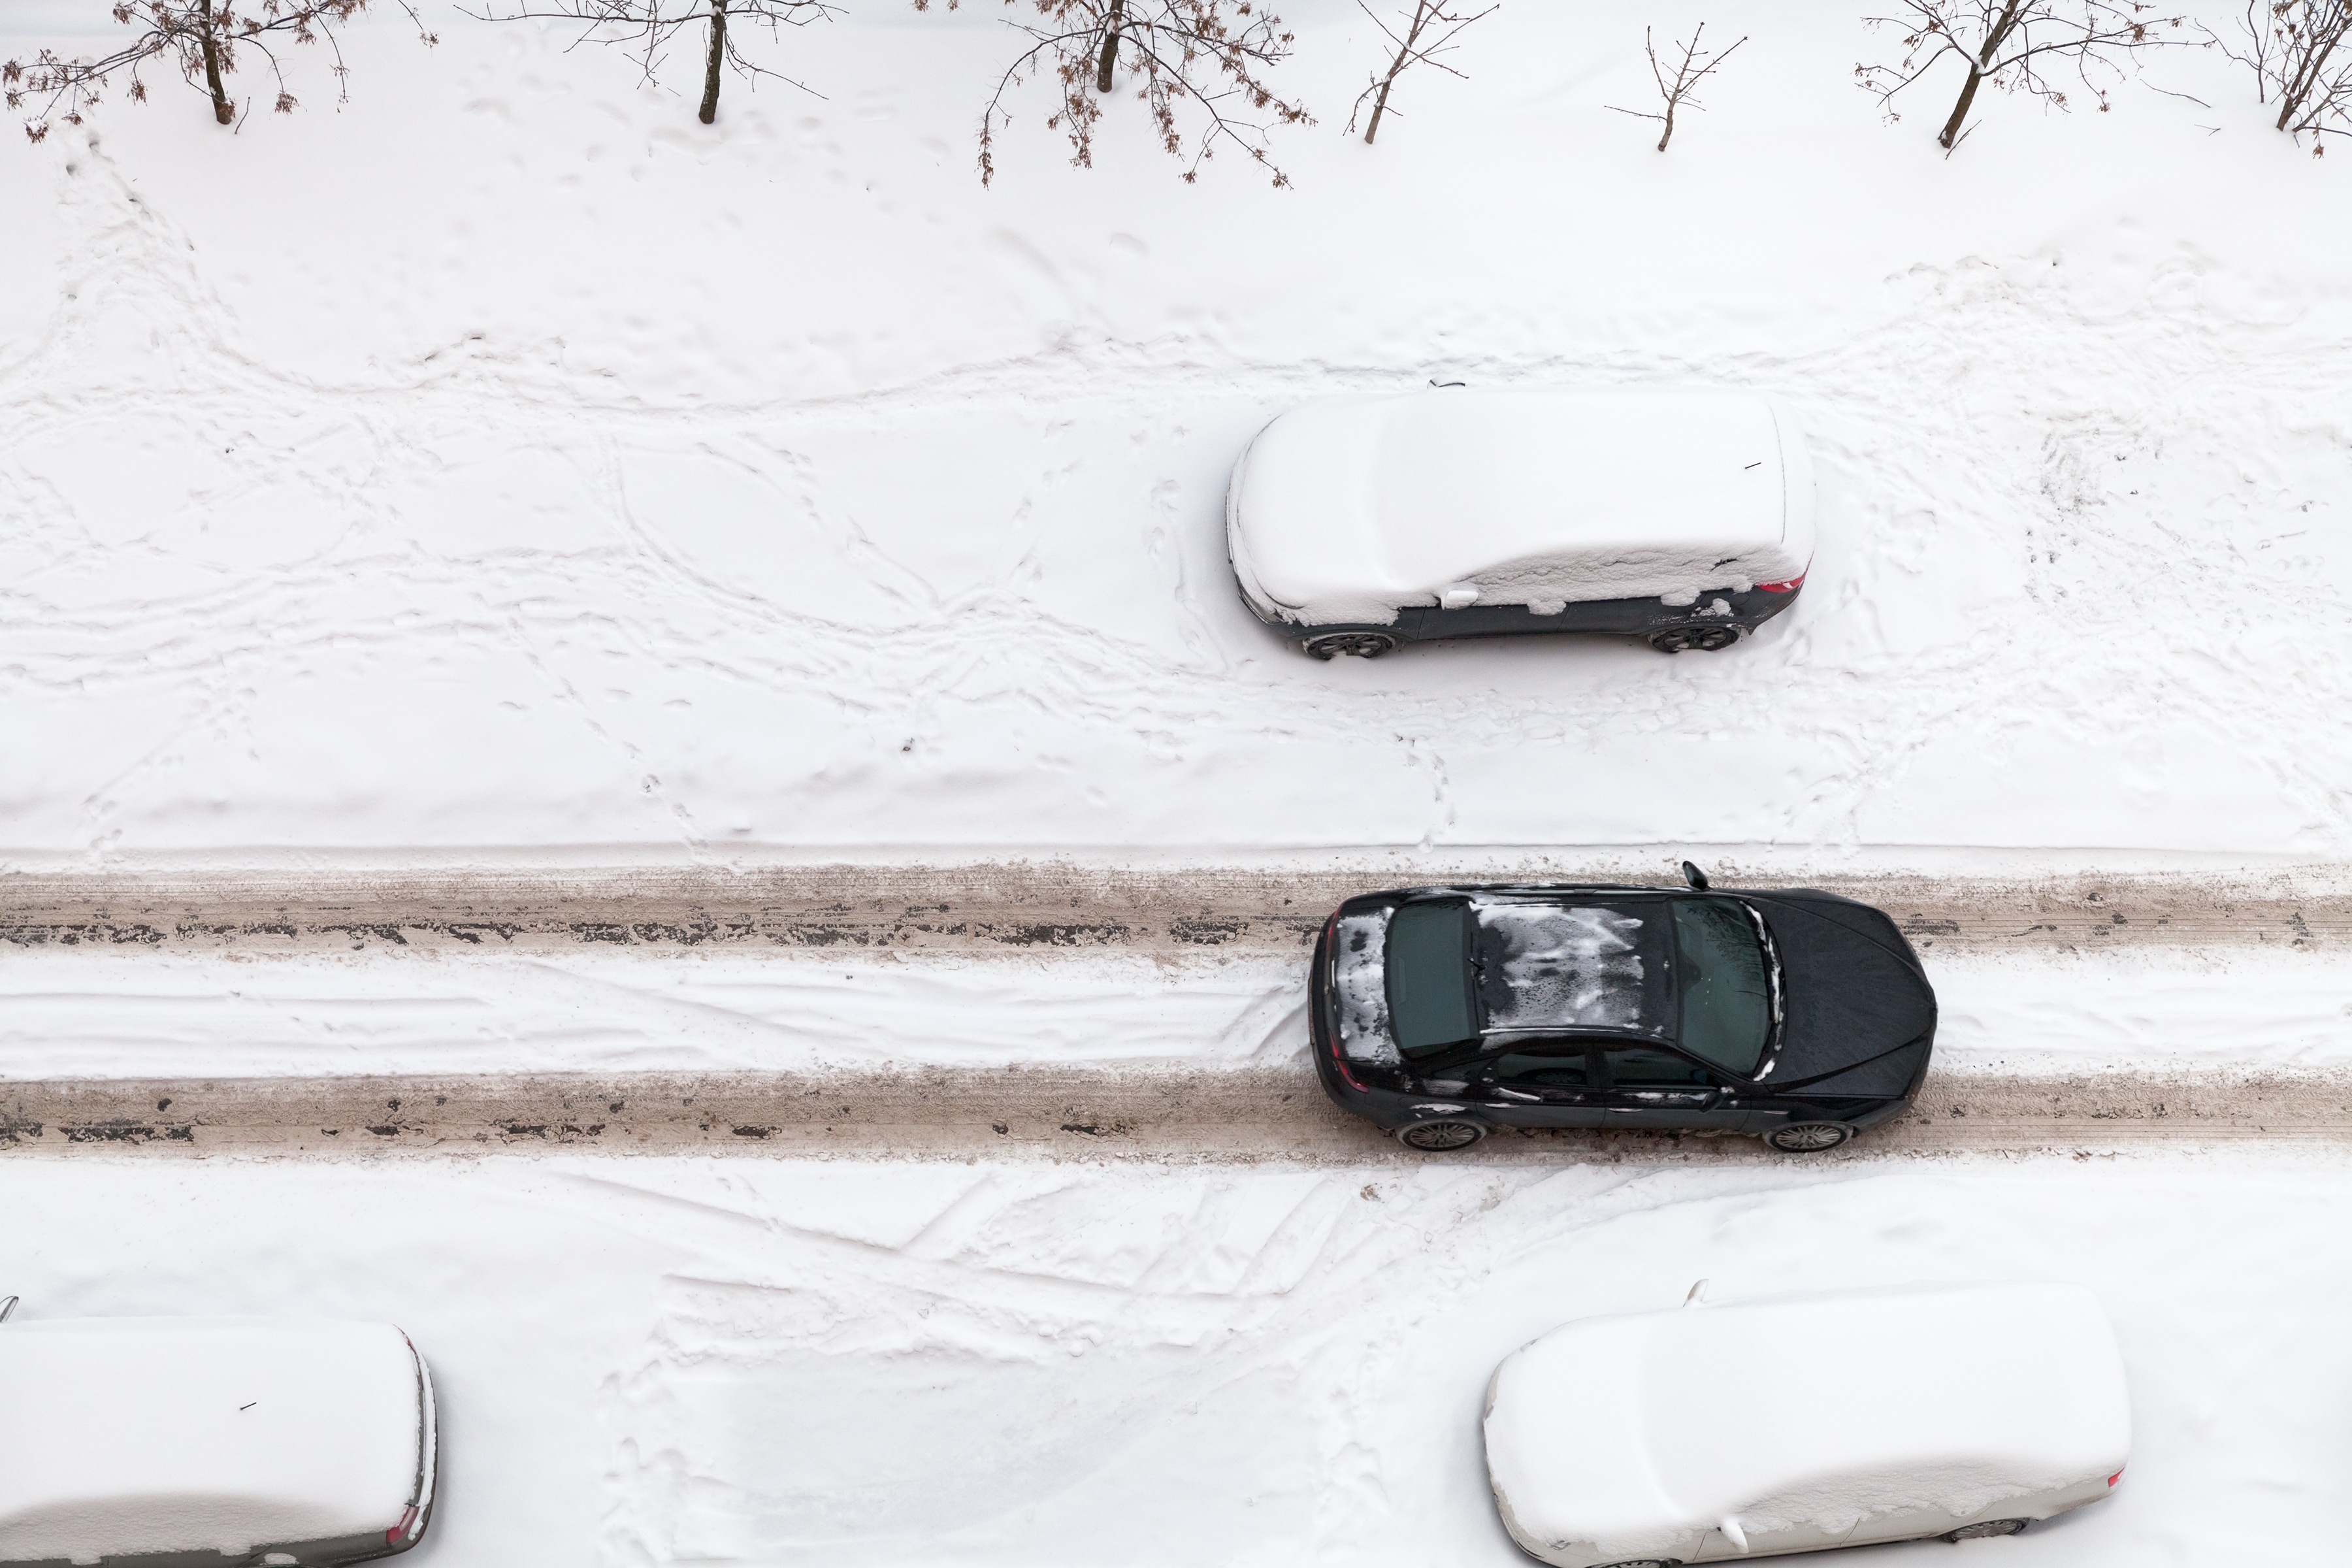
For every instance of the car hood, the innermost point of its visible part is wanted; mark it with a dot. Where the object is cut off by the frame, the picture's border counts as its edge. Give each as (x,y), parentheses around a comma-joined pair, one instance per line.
(1851,992)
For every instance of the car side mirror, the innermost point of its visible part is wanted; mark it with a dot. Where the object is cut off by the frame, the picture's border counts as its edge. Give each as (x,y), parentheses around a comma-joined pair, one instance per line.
(1695,877)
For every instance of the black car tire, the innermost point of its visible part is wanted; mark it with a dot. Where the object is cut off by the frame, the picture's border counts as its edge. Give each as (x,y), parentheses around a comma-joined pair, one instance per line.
(1441,1137)
(1807,1137)
(1647,1563)
(1706,639)
(1362,644)
(1988,1529)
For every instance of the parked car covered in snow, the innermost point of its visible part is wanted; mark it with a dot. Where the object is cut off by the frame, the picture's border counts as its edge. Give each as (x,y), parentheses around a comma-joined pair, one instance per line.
(1356,524)
(1951,1411)
(171,1442)
(1445,1013)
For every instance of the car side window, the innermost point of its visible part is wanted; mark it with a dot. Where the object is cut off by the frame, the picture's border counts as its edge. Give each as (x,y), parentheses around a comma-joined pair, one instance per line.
(1642,1066)
(1538,1068)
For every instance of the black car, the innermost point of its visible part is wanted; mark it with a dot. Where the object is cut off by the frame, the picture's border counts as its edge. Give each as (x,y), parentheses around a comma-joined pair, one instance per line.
(1444,1012)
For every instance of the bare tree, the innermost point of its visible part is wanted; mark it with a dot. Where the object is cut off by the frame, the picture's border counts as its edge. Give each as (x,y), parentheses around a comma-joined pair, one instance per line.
(2301,55)
(1213,54)
(1430,17)
(1697,65)
(2013,44)
(646,28)
(202,39)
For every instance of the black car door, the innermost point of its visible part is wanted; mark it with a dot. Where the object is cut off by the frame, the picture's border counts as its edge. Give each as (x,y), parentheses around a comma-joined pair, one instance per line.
(1650,1086)
(1539,1082)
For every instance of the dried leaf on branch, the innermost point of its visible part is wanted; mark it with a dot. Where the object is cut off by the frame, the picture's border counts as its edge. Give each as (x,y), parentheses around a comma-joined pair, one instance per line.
(206,41)
(1200,60)
(2018,45)
(2301,54)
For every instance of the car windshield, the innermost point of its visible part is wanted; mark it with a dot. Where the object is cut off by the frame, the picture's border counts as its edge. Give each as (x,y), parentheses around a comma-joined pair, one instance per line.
(1726,1000)
(1429,977)
(1572,966)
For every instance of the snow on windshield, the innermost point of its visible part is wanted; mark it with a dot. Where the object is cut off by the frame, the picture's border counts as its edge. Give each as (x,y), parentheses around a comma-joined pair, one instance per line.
(1554,967)
(1359,975)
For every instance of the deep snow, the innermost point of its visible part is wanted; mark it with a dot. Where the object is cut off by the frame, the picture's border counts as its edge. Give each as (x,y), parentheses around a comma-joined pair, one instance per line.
(648,1362)
(504,460)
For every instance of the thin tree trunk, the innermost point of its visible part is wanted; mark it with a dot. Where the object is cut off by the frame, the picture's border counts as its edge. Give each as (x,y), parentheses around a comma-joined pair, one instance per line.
(224,112)
(717,60)
(1951,132)
(1980,67)
(1110,45)
(1379,107)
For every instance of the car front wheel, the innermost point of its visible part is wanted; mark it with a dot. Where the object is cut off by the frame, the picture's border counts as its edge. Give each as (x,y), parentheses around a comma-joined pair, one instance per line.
(1437,1137)
(1807,1137)
(1363,645)
(1990,1527)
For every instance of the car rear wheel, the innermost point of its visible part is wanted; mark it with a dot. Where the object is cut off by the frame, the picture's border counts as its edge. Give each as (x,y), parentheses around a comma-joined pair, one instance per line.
(1647,1563)
(1807,1137)
(1990,1527)
(1363,645)
(1706,639)
(1436,1137)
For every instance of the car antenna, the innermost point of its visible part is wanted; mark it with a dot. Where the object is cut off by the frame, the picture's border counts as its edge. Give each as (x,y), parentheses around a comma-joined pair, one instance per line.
(7,1307)
(1695,877)
(1697,1297)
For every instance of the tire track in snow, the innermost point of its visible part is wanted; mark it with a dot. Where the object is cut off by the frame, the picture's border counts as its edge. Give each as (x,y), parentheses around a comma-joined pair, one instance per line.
(1231,1116)
(1028,907)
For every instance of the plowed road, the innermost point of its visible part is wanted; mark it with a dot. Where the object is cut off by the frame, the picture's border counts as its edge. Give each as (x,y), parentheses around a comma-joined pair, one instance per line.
(1040,1111)
(1033,1113)
(984,908)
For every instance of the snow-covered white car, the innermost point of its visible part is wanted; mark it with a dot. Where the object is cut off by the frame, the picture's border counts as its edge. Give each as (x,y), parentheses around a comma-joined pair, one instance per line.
(1356,524)
(169,1442)
(1716,1433)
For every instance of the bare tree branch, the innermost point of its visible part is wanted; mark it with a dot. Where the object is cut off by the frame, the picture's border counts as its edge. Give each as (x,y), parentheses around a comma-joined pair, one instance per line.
(2301,54)
(202,39)
(2012,43)
(644,29)
(1695,67)
(1213,55)
(1427,14)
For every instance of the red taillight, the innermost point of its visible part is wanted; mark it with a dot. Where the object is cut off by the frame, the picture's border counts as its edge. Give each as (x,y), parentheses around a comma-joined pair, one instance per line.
(2114,1478)
(1340,1062)
(407,1519)
(1789,587)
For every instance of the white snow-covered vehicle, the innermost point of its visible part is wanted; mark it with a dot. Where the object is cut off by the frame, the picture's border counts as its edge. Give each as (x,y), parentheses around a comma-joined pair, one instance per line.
(1717,1433)
(1356,524)
(201,1441)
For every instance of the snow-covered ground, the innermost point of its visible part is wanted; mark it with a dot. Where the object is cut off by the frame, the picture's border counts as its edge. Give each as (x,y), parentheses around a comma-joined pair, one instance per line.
(653,1362)
(69,1013)
(504,460)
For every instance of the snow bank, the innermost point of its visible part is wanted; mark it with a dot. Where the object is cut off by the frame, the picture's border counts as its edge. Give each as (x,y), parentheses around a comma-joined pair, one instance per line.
(1805,1421)
(1350,509)
(152,1435)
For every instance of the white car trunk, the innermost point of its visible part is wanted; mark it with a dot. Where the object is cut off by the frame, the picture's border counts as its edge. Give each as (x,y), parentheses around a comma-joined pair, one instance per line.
(228,1434)
(1806,1421)
(1349,509)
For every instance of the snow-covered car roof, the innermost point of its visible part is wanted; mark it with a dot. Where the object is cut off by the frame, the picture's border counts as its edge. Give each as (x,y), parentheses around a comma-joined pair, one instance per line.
(1347,509)
(1804,1417)
(152,1435)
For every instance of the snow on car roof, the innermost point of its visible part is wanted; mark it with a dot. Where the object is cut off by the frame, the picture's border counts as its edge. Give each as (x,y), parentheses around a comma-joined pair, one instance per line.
(1347,508)
(1628,1432)
(1568,966)
(140,1434)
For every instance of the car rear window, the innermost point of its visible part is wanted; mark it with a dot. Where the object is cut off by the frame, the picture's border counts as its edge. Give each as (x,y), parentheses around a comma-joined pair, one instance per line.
(1726,1001)
(1430,1004)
